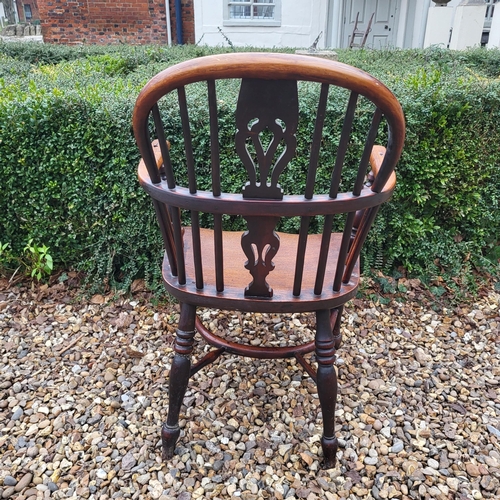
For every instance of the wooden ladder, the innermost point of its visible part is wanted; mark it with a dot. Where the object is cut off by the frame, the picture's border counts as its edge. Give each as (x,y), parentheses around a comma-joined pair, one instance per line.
(360,33)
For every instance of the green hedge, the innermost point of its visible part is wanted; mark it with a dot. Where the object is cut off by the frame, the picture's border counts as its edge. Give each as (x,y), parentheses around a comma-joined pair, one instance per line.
(68,159)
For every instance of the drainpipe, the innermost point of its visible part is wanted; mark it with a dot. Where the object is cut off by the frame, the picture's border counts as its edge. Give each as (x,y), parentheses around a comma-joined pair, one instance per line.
(169,25)
(16,13)
(178,21)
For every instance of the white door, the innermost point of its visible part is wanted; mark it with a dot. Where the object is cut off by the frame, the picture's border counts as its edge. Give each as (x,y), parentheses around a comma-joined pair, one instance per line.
(384,24)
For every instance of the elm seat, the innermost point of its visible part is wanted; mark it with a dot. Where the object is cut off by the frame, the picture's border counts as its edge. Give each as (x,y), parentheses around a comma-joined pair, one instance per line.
(262,269)
(236,281)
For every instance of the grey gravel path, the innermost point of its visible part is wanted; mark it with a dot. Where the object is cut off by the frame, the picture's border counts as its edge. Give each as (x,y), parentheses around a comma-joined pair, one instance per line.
(83,394)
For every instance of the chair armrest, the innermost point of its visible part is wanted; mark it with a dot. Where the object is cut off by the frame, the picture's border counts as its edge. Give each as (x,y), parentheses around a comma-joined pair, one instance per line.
(142,170)
(361,222)
(164,213)
(157,152)
(376,158)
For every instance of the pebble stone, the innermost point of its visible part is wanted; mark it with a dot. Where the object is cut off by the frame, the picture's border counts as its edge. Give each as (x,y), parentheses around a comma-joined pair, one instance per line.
(397,447)
(24,481)
(17,414)
(8,492)
(84,391)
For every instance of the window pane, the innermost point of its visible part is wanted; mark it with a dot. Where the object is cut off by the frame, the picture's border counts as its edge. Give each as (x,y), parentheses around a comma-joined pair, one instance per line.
(239,12)
(263,12)
(263,1)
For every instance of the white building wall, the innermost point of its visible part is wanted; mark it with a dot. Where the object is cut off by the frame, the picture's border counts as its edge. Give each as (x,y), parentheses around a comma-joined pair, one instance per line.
(403,13)
(438,29)
(301,23)
(419,23)
(468,25)
(334,23)
(303,20)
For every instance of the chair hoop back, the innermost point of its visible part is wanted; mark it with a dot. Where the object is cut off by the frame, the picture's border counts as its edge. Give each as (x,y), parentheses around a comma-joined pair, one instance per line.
(268,102)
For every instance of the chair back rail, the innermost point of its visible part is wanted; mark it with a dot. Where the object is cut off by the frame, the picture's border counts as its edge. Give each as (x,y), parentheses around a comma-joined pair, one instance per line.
(267,101)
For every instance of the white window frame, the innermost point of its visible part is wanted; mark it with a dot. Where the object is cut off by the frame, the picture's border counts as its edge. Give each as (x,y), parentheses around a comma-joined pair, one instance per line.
(275,21)
(490,8)
(27,8)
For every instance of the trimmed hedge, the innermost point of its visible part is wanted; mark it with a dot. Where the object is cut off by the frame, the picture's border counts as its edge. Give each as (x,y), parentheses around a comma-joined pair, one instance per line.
(68,158)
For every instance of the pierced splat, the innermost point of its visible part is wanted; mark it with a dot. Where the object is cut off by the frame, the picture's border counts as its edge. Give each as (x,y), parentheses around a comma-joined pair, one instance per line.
(260,244)
(271,105)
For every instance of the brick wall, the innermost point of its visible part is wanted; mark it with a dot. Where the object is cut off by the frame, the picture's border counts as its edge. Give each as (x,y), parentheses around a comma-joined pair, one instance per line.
(108,21)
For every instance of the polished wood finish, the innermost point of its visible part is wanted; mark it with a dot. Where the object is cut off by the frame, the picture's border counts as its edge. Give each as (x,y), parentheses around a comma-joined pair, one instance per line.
(261,269)
(272,105)
(181,367)
(236,278)
(326,380)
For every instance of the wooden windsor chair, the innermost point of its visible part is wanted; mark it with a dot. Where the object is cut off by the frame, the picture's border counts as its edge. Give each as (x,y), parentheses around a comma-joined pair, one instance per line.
(286,273)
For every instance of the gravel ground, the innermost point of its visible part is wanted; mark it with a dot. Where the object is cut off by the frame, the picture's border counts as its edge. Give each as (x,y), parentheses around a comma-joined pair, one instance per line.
(83,393)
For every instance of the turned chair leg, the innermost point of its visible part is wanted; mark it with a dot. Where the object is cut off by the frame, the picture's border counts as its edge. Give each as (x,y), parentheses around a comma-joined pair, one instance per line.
(327,340)
(179,377)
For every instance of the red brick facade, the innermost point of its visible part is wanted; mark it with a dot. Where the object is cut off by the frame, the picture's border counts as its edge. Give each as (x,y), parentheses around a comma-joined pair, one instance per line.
(108,21)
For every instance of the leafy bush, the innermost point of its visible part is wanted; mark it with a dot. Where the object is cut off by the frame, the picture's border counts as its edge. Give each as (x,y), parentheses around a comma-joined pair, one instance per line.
(68,158)
(35,261)
(445,210)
